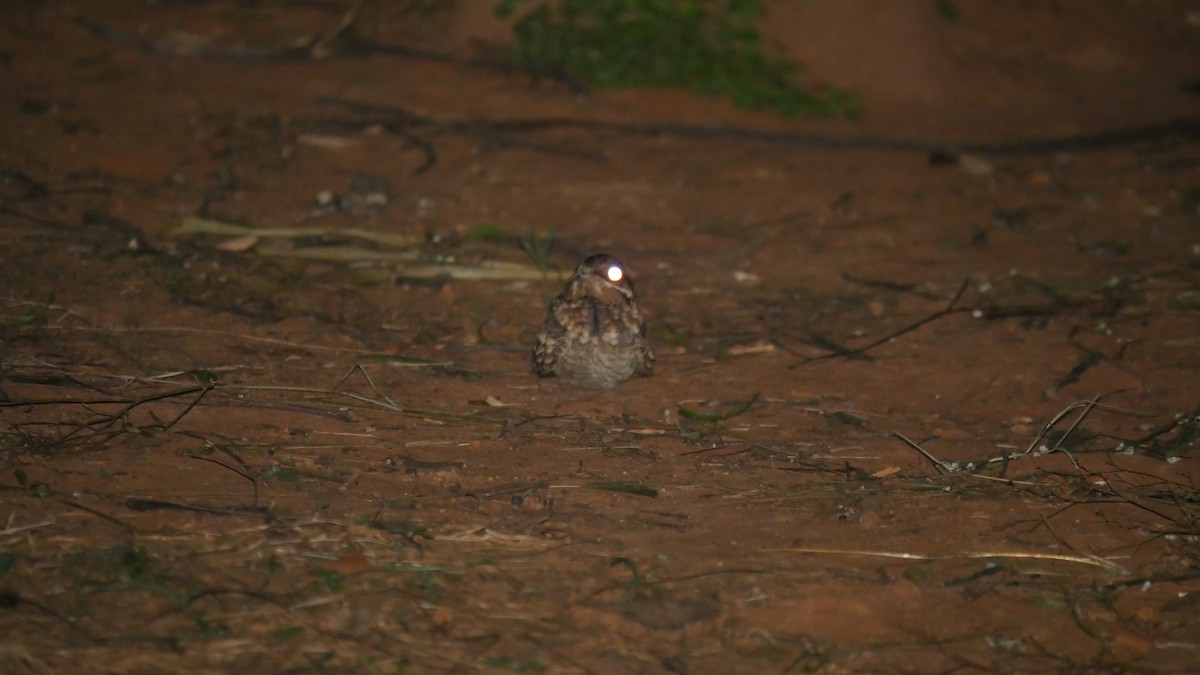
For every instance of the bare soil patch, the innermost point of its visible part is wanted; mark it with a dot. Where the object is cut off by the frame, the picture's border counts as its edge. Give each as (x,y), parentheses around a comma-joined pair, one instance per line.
(927,395)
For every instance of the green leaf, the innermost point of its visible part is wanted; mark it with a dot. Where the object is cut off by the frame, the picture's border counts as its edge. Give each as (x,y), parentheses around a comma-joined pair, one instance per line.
(281,474)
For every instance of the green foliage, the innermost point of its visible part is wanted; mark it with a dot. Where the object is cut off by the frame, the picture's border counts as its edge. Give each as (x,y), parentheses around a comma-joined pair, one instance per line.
(488,233)
(707,46)
(281,473)
(37,489)
(332,580)
(505,663)
(946,9)
(35,314)
(718,416)
(538,248)
(288,633)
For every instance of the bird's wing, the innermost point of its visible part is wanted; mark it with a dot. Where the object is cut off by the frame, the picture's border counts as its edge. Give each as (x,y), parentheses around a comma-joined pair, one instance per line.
(552,339)
(645,352)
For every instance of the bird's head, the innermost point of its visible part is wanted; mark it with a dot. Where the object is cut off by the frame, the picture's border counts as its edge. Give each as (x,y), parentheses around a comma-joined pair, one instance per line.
(603,277)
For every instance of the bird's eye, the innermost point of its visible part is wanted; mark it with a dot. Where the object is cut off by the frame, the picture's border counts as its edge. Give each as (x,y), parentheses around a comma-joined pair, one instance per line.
(615,274)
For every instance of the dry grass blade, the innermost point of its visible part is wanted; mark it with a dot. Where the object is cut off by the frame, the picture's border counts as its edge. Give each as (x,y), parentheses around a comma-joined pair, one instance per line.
(483,271)
(11,529)
(347,254)
(491,270)
(375,403)
(191,226)
(1094,561)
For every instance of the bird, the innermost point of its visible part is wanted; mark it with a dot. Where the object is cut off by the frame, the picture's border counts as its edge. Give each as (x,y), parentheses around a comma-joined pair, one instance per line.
(594,336)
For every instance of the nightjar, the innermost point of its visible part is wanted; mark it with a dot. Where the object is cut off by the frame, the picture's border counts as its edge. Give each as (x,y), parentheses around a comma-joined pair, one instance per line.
(594,335)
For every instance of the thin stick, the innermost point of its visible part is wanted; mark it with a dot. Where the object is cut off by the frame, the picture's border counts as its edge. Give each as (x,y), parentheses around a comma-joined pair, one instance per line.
(948,467)
(99,514)
(942,466)
(225,333)
(1006,481)
(195,402)
(61,401)
(241,472)
(1051,424)
(1087,409)
(1181,128)
(106,420)
(134,504)
(861,351)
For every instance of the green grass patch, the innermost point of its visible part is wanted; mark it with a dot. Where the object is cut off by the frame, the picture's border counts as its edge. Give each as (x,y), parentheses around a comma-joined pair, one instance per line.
(706,46)
(707,416)
(488,233)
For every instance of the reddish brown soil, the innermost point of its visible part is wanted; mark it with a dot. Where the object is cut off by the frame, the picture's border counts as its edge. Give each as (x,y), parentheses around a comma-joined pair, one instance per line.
(220,455)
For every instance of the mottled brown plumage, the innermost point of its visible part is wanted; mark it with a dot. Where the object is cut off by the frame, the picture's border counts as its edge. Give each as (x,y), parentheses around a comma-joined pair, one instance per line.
(594,335)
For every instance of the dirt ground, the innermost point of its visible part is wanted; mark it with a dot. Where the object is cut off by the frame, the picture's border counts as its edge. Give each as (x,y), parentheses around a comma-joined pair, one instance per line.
(927,395)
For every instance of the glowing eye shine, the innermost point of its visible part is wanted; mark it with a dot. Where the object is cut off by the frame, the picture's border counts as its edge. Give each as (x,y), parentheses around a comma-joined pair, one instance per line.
(615,274)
